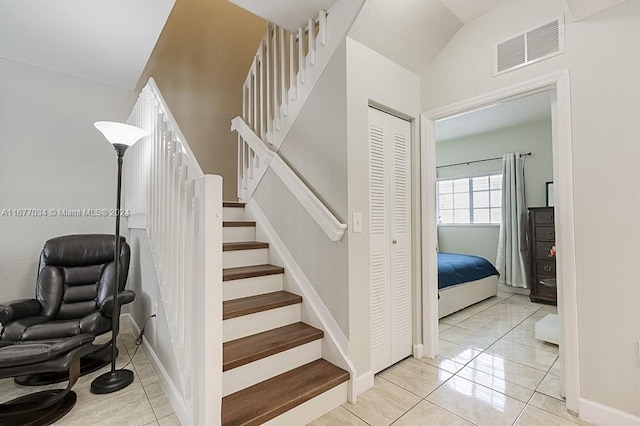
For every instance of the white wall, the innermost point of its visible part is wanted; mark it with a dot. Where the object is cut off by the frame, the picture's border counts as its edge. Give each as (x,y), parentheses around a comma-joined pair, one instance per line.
(323,261)
(481,240)
(370,77)
(51,157)
(316,146)
(603,59)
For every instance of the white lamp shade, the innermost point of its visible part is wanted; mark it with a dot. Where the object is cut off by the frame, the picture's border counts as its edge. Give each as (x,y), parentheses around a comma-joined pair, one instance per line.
(120,133)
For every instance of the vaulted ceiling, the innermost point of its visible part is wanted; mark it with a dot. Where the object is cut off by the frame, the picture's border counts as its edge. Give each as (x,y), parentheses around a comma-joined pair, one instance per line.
(110,41)
(413,32)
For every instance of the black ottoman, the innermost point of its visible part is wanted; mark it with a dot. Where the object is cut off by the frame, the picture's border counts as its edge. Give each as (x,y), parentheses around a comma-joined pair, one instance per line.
(42,356)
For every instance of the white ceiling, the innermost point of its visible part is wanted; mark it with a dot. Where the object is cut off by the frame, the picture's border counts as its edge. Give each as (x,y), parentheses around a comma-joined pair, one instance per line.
(285,13)
(521,111)
(109,41)
(581,9)
(409,32)
(467,10)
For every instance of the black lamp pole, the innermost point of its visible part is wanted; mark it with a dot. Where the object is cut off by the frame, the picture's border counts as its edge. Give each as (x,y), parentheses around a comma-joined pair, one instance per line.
(115,380)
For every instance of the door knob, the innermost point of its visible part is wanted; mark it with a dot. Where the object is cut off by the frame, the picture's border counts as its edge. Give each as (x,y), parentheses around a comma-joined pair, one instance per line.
(395,241)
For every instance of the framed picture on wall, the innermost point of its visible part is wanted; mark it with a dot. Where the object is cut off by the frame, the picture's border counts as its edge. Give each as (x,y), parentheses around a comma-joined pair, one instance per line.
(550,195)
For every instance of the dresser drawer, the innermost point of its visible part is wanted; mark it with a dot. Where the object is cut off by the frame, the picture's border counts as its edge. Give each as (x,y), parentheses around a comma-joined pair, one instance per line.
(545,233)
(543,290)
(542,250)
(546,267)
(543,217)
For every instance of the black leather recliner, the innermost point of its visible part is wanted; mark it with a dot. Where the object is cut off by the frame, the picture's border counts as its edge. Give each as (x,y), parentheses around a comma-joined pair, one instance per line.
(73,294)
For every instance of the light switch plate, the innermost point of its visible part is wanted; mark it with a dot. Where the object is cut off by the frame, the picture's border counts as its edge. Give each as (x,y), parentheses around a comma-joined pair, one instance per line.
(357,222)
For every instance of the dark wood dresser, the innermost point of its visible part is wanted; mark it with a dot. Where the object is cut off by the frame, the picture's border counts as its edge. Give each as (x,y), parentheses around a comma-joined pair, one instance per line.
(543,265)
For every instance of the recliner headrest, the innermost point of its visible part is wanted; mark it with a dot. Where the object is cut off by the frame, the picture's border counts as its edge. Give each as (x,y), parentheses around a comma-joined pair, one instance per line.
(81,250)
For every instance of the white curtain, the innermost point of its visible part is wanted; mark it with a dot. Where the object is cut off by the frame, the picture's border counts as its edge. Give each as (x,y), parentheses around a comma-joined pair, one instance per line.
(513,243)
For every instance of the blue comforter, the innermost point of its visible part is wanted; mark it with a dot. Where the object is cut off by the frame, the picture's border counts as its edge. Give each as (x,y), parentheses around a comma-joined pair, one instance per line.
(461,268)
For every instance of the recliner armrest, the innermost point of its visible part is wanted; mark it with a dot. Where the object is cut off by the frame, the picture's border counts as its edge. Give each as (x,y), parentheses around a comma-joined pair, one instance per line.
(18,309)
(124,297)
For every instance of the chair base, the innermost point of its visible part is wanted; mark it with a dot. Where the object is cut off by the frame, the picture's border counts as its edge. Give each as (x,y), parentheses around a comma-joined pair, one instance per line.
(88,364)
(39,416)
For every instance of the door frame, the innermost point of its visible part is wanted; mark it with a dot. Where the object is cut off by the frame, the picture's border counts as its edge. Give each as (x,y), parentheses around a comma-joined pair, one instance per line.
(558,83)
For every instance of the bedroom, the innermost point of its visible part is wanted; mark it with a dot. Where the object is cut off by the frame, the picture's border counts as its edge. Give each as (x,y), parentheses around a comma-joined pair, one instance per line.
(484,321)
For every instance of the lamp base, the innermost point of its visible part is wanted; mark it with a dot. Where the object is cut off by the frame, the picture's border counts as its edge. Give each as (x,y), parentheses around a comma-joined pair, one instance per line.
(112,381)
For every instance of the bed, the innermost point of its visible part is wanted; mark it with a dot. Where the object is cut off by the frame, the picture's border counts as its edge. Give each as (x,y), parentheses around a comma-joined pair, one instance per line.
(464,280)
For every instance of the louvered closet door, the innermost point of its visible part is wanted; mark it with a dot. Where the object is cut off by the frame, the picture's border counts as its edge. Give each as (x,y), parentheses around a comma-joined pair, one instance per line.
(390,238)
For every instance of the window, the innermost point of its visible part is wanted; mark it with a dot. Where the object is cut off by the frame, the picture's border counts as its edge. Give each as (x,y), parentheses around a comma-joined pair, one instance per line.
(470,200)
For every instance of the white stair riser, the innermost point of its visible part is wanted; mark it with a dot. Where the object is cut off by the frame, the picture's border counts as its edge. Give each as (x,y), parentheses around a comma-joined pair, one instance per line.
(236,258)
(236,289)
(246,325)
(233,213)
(237,234)
(258,371)
(309,411)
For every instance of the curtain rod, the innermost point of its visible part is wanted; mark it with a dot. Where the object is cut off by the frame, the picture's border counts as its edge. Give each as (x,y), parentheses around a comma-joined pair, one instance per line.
(477,161)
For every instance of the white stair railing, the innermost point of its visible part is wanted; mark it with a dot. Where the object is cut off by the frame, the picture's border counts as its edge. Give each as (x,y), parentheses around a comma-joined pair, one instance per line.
(278,69)
(254,161)
(182,208)
(287,67)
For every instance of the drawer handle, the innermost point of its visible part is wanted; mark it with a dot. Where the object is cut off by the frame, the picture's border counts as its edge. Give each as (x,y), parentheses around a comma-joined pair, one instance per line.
(547,268)
(549,233)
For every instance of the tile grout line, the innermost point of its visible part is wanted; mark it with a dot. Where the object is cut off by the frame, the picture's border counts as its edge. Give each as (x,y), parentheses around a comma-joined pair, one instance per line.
(526,404)
(467,364)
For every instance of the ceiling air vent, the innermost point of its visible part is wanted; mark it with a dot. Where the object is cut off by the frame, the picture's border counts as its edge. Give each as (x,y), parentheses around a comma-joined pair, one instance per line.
(532,46)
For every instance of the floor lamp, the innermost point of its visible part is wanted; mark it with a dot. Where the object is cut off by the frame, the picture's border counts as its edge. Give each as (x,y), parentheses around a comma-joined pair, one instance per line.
(122,136)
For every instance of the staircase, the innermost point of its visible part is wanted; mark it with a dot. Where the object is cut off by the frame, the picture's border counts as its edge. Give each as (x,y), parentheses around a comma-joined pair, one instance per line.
(273,369)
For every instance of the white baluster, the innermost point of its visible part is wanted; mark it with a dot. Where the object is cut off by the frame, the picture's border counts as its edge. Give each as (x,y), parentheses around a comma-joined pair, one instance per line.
(275,47)
(322,30)
(302,62)
(262,70)
(254,96)
(311,33)
(293,75)
(284,104)
(268,82)
(240,174)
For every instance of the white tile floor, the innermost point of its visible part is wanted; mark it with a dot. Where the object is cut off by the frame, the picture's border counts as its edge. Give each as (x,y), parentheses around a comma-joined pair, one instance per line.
(491,371)
(141,403)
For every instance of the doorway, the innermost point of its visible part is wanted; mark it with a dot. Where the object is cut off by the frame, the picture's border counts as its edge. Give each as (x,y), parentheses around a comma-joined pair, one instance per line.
(557,85)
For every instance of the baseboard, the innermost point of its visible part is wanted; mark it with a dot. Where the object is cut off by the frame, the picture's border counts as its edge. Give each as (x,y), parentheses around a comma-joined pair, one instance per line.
(363,382)
(418,351)
(603,415)
(514,290)
(170,389)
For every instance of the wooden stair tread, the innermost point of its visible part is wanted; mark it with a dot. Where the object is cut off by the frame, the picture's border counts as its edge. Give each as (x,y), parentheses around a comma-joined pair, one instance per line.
(246,245)
(232,204)
(237,223)
(266,400)
(258,346)
(253,304)
(229,274)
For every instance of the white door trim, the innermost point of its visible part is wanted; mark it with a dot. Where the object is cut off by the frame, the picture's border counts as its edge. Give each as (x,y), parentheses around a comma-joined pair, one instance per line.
(559,85)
